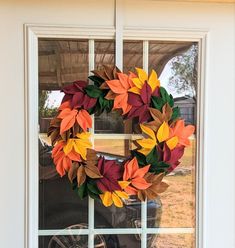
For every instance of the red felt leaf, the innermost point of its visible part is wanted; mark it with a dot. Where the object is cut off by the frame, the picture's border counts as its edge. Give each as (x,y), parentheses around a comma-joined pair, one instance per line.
(111,172)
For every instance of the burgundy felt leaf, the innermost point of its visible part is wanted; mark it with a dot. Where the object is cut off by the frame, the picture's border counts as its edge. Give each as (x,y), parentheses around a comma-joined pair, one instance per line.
(139,108)
(172,157)
(145,93)
(111,172)
(76,96)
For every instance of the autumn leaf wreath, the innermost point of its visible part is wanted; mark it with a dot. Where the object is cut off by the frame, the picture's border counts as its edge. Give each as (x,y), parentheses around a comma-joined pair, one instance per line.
(156,154)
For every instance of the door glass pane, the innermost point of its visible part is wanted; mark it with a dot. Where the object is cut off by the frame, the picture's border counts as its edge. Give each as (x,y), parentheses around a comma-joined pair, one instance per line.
(132,55)
(178,74)
(60,62)
(171,240)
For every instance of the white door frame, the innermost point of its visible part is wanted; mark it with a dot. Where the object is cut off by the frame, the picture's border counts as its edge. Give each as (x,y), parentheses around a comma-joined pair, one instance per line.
(32,33)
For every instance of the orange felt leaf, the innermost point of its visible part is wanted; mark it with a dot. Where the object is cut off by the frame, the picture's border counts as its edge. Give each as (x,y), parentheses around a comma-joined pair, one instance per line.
(141,171)
(131,190)
(64,105)
(74,156)
(68,119)
(182,132)
(116,86)
(120,101)
(130,168)
(84,120)
(140,183)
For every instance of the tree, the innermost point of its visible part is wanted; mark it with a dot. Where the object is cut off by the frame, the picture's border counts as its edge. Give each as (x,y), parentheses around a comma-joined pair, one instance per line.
(185,68)
(44,110)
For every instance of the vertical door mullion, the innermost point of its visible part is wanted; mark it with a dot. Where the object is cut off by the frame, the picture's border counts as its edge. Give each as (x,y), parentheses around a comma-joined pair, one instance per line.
(91,59)
(144,204)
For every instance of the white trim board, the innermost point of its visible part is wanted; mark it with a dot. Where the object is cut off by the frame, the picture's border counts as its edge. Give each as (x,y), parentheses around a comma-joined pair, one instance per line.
(32,33)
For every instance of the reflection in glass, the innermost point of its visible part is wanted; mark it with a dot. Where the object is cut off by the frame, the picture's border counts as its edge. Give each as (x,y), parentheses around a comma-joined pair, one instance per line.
(179,77)
(171,240)
(132,55)
(104,53)
(60,62)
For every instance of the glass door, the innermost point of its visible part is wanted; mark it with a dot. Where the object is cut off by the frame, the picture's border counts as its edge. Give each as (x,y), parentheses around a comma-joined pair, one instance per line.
(65,221)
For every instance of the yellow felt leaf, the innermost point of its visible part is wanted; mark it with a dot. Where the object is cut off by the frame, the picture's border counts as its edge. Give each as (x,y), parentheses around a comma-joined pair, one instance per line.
(138,83)
(145,151)
(106,199)
(117,201)
(122,194)
(172,142)
(134,90)
(153,80)
(148,131)
(142,75)
(163,132)
(68,147)
(123,184)
(147,143)
(83,135)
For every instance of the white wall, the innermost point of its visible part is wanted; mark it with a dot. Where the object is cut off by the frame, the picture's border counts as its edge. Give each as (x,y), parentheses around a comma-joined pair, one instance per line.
(219,139)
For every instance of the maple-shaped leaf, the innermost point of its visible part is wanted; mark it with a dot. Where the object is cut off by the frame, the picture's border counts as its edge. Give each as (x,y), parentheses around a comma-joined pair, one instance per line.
(140,104)
(78,144)
(152,81)
(111,172)
(135,176)
(157,187)
(106,73)
(172,157)
(63,161)
(108,198)
(71,116)
(147,144)
(159,117)
(76,96)
(120,87)
(182,132)
(85,168)
(163,135)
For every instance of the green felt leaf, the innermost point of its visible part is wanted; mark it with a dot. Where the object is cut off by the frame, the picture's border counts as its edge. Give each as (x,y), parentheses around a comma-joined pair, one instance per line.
(152,157)
(157,102)
(140,157)
(93,196)
(82,191)
(166,97)
(93,91)
(97,81)
(175,114)
(93,188)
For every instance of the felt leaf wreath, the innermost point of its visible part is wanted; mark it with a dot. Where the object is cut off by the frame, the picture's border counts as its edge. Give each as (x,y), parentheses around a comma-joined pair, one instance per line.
(134,96)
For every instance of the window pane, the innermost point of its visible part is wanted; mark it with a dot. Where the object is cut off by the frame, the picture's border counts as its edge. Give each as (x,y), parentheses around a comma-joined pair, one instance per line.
(60,62)
(171,241)
(104,53)
(65,241)
(179,77)
(132,55)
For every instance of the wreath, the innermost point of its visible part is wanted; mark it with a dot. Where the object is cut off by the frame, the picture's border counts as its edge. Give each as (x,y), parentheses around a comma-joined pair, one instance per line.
(134,96)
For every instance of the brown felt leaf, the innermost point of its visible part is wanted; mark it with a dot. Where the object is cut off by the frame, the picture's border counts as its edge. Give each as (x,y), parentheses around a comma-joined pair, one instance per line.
(155,189)
(167,112)
(110,95)
(72,173)
(90,164)
(92,171)
(81,175)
